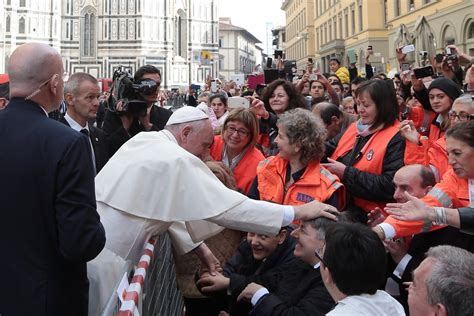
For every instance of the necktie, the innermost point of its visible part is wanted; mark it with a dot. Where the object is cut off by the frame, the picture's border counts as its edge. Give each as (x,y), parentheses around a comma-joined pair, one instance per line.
(85,131)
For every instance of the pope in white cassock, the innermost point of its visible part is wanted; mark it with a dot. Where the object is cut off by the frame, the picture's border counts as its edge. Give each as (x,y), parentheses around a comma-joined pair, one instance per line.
(158,178)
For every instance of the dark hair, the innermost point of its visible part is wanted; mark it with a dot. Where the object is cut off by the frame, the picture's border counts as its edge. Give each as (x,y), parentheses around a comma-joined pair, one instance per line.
(219,96)
(383,94)
(358,80)
(146,69)
(427,177)
(313,81)
(356,258)
(338,83)
(327,111)
(295,98)
(463,131)
(318,100)
(335,59)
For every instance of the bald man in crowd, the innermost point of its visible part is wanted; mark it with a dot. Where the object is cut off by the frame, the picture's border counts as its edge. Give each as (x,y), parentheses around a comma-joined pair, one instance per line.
(406,254)
(49,226)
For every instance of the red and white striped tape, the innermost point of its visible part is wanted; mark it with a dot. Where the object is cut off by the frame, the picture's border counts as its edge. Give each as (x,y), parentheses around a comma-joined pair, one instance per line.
(134,290)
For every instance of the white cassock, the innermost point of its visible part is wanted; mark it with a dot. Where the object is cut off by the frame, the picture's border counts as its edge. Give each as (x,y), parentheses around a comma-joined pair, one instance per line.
(152,182)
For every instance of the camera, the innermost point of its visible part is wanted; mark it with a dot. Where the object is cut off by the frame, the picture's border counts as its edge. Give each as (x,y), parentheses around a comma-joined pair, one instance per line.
(423,72)
(450,56)
(423,53)
(130,93)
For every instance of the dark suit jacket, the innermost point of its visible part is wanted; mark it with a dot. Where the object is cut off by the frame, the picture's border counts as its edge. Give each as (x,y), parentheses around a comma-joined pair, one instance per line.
(49,226)
(100,143)
(418,248)
(298,291)
(118,135)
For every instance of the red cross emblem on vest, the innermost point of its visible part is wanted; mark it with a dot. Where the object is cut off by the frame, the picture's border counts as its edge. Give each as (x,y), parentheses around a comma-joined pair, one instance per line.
(370,155)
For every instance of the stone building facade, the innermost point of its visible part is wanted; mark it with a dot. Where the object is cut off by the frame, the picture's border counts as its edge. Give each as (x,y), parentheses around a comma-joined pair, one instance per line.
(98,36)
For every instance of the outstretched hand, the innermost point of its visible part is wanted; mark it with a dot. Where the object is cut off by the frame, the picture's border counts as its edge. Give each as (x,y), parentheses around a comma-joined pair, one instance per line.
(413,210)
(375,217)
(314,210)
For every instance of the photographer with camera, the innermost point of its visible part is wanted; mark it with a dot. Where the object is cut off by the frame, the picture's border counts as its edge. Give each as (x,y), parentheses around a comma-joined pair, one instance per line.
(131,106)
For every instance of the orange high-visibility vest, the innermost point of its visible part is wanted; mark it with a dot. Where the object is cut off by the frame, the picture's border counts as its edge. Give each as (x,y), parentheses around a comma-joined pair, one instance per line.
(452,192)
(316,183)
(419,154)
(372,155)
(246,169)
(438,157)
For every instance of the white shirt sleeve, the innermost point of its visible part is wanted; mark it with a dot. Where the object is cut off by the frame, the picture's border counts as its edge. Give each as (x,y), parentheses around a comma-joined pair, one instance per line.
(398,272)
(256,216)
(180,238)
(258,295)
(388,230)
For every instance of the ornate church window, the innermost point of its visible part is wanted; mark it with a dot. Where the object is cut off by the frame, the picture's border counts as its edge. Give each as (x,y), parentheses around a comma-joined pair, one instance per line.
(88,32)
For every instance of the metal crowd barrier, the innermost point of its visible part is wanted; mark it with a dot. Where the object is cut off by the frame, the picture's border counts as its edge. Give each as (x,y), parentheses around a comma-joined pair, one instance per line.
(153,289)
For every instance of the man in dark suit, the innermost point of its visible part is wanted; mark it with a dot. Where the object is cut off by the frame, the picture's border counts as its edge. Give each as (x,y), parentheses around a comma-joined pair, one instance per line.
(121,126)
(49,226)
(81,94)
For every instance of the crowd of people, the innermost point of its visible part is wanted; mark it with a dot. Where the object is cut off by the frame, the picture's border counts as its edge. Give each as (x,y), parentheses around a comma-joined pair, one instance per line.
(340,193)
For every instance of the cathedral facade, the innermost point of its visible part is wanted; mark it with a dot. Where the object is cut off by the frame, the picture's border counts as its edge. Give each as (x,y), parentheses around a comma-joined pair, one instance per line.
(97,36)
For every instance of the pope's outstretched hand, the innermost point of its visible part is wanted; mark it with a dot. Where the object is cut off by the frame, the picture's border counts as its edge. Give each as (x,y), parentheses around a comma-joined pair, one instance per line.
(315,209)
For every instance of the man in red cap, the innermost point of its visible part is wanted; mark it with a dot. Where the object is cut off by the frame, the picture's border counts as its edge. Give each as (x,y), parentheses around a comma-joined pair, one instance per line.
(4,91)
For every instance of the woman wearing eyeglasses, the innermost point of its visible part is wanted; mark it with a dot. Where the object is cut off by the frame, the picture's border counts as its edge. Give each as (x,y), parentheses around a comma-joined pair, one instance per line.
(295,176)
(235,147)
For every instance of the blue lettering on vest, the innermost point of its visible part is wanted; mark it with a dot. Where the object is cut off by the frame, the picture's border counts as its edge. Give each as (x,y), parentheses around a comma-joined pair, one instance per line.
(304,197)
